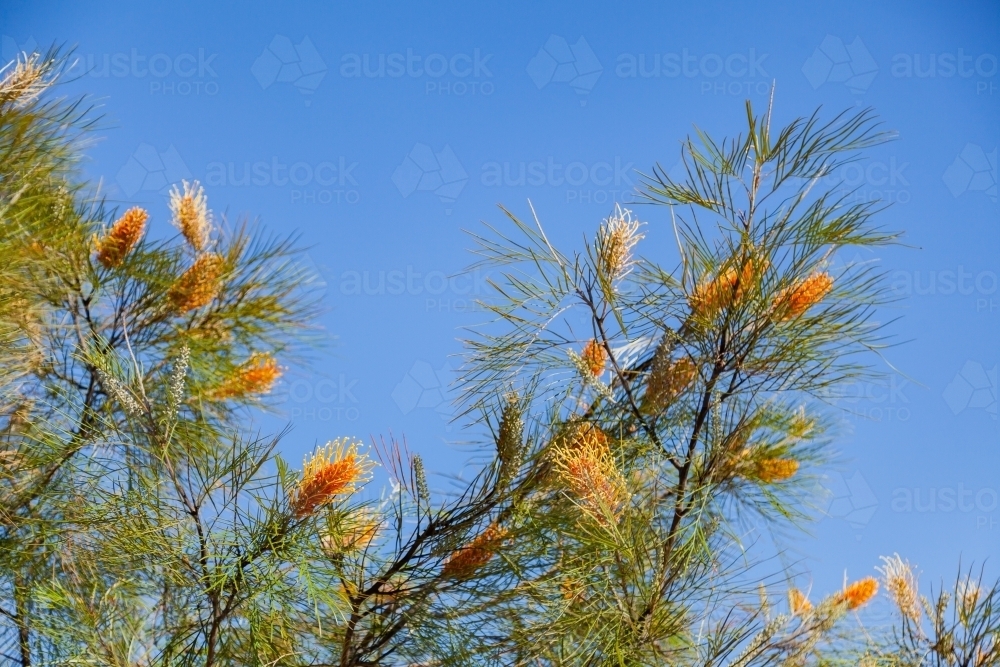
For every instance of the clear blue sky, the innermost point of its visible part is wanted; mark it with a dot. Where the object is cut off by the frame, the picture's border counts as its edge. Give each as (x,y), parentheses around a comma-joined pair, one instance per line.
(379,131)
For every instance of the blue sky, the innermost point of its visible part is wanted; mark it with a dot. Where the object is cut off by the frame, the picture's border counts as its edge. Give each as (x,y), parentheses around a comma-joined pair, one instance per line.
(379,131)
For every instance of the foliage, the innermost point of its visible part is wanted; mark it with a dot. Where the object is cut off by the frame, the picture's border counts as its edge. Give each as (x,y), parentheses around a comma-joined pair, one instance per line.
(641,427)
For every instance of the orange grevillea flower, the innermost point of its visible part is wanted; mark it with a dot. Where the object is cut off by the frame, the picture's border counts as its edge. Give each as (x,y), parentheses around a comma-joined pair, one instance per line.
(121,238)
(798,602)
(858,594)
(198,285)
(667,380)
(595,357)
(776,470)
(726,289)
(792,301)
(464,562)
(256,376)
(191,215)
(336,469)
(587,468)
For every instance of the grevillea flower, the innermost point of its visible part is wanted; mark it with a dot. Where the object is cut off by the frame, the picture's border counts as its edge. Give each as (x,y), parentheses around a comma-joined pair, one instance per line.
(354,534)
(615,240)
(191,214)
(667,380)
(334,470)
(198,285)
(121,238)
(726,289)
(798,602)
(858,594)
(586,466)
(792,301)
(595,357)
(256,376)
(899,580)
(775,470)
(464,562)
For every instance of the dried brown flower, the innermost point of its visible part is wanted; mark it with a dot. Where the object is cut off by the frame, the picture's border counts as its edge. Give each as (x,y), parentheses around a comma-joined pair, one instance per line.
(198,285)
(121,238)
(792,301)
(191,215)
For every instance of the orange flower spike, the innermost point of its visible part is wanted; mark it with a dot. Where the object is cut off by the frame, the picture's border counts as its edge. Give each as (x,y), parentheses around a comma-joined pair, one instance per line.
(858,593)
(334,470)
(793,301)
(121,238)
(776,470)
(595,357)
(256,376)
(198,285)
(724,290)
(464,562)
(798,602)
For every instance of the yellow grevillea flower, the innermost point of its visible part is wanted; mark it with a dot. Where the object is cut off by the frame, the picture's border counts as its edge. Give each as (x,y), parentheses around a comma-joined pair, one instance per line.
(776,470)
(587,468)
(615,240)
(191,215)
(667,380)
(198,285)
(899,580)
